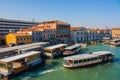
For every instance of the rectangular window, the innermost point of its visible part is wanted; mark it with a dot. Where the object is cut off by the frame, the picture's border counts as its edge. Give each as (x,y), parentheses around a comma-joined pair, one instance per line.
(88,60)
(76,62)
(84,60)
(80,61)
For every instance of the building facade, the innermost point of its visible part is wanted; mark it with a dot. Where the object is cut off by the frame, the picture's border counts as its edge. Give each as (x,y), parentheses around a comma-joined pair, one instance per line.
(115,32)
(35,31)
(56,31)
(83,34)
(18,38)
(7,25)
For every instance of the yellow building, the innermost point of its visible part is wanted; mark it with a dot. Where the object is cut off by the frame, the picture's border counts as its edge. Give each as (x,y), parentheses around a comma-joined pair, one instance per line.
(115,32)
(18,38)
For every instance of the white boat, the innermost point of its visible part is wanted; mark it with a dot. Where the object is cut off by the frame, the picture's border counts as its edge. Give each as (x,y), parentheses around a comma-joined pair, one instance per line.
(115,42)
(72,49)
(83,45)
(87,59)
(55,50)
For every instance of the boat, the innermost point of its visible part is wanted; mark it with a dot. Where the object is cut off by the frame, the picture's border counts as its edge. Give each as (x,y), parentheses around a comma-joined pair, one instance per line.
(83,45)
(54,50)
(87,59)
(72,49)
(115,42)
(11,66)
(106,40)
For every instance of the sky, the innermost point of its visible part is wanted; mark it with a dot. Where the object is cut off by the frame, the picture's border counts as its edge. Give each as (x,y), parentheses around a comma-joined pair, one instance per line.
(88,13)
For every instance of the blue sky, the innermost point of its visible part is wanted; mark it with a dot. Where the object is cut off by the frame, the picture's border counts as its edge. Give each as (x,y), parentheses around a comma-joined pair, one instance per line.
(88,13)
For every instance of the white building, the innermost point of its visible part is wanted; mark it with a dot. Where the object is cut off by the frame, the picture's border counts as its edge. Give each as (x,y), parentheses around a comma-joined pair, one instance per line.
(82,34)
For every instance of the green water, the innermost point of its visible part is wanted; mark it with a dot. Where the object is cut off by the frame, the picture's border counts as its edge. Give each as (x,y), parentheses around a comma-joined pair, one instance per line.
(53,69)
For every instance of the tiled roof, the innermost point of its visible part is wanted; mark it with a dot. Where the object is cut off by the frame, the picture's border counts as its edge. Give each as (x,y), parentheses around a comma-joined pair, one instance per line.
(74,28)
(55,21)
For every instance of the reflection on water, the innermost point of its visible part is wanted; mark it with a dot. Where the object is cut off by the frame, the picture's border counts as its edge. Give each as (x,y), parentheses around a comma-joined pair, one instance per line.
(53,69)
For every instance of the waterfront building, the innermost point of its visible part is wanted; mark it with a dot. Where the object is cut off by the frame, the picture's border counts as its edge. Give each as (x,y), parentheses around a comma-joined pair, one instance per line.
(18,38)
(36,32)
(7,25)
(78,34)
(115,32)
(56,31)
(83,34)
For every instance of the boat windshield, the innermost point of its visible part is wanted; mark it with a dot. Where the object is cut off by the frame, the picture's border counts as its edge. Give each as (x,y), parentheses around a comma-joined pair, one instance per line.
(68,62)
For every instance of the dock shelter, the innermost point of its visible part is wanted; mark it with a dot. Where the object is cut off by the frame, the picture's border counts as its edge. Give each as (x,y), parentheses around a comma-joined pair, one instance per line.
(9,51)
(15,63)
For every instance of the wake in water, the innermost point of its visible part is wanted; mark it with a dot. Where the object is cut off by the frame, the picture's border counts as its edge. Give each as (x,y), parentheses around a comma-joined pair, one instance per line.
(28,75)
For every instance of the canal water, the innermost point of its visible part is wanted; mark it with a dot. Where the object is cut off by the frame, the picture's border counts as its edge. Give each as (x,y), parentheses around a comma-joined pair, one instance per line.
(53,69)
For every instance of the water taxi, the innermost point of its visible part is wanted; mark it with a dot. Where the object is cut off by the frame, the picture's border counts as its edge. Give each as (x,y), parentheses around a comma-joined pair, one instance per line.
(87,59)
(115,42)
(72,49)
(55,50)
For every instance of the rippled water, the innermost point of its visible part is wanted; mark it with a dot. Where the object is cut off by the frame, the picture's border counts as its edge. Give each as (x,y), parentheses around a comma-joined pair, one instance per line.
(53,69)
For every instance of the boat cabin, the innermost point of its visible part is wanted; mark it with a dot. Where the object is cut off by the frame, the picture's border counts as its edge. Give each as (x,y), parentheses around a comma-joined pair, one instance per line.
(72,49)
(54,50)
(115,42)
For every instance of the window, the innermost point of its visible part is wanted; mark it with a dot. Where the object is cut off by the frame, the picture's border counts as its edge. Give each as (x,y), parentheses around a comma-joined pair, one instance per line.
(76,62)
(80,61)
(84,60)
(88,60)
(17,39)
(95,58)
(92,59)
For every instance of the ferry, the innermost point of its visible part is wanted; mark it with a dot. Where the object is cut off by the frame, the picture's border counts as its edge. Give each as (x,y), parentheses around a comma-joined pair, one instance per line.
(72,49)
(55,50)
(87,59)
(115,42)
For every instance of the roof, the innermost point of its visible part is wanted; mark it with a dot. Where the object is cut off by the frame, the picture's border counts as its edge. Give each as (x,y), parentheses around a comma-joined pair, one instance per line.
(29,48)
(74,28)
(115,28)
(20,56)
(87,55)
(106,38)
(55,46)
(8,49)
(115,39)
(21,34)
(55,21)
(34,28)
(73,46)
